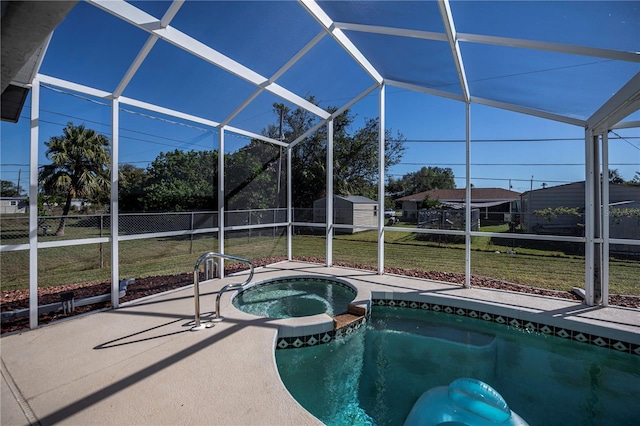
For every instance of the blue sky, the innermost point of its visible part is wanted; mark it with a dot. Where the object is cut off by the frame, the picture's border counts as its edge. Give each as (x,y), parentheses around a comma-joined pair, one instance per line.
(508,147)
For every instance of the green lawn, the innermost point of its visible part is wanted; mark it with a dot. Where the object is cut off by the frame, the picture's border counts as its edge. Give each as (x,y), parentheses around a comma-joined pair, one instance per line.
(553,269)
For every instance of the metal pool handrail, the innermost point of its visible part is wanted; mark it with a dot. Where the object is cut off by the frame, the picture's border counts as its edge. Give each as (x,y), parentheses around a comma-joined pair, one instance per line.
(196,286)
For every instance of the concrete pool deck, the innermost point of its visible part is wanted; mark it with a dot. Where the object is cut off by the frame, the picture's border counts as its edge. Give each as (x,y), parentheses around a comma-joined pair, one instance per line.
(140,364)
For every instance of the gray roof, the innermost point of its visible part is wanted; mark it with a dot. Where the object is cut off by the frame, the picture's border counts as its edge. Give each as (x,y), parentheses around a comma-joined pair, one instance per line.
(459,194)
(355,199)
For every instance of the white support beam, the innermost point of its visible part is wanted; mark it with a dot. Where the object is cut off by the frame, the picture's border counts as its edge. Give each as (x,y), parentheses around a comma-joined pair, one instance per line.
(195,119)
(327,23)
(135,65)
(45,79)
(605,221)
(33,204)
(148,23)
(275,76)
(151,107)
(450,29)
(221,199)
(329,198)
(589,223)
(297,100)
(171,13)
(166,111)
(289,204)
(623,103)
(309,132)
(353,101)
(529,111)
(626,125)
(467,212)
(428,91)
(599,175)
(254,136)
(391,31)
(334,114)
(206,53)
(144,52)
(242,106)
(113,206)
(381,164)
(291,62)
(616,55)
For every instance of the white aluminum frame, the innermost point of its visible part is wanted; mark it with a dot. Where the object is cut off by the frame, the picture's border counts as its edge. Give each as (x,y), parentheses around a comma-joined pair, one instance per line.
(33,205)
(148,23)
(114,211)
(624,102)
(381,174)
(452,37)
(323,19)
(329,198)
(605,222)
(221,200)
(589,225)
(467,207)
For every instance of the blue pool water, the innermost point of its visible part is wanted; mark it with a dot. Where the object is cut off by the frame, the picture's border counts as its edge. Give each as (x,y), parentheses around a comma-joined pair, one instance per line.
(375,375)
(295,297)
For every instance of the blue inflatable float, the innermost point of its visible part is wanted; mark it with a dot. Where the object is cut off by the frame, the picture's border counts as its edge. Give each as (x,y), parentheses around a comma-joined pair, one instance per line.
(464,402)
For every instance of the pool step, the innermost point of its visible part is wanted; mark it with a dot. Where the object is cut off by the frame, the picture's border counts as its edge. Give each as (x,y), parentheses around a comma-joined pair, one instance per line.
(350,320)
(345,320)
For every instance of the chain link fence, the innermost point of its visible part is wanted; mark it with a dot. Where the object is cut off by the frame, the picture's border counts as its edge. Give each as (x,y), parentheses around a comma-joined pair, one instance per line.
(450,219)
(15,229)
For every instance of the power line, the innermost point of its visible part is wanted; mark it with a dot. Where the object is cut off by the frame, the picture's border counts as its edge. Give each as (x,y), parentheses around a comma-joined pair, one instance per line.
(503,140)
(509,164)
(212,131)
(130,137)
(626,139)
(208,130)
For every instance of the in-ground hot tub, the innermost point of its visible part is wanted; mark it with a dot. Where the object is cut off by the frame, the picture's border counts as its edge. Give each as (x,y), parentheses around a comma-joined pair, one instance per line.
(292,297)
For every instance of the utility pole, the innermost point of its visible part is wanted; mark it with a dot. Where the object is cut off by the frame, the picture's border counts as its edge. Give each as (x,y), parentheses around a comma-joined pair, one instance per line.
(281,137)
(282,108)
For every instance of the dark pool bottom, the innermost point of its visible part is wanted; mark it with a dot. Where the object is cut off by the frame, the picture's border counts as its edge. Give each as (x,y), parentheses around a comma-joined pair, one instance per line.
(295,297)
(375,375)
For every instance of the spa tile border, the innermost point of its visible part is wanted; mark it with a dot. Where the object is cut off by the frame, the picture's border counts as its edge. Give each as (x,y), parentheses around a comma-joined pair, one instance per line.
(280,280)
(562,332)
(319,339)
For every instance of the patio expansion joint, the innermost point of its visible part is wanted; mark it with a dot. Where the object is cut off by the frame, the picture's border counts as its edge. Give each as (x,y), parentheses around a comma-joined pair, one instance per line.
(19,397)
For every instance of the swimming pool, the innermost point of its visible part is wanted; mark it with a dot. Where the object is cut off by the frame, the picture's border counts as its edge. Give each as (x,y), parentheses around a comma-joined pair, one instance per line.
(295,297)
(375,375)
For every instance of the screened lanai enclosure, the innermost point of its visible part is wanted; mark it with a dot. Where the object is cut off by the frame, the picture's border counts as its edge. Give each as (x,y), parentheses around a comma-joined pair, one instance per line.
(139,135)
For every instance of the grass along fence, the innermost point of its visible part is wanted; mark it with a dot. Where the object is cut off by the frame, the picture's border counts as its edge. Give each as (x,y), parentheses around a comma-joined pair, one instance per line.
(550,269)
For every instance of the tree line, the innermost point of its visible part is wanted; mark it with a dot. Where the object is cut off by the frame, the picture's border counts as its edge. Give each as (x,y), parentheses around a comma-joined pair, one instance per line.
(255,175)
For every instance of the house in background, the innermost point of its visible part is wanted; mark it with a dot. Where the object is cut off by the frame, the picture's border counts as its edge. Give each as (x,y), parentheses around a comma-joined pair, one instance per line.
(496,205)
(13,205)
(352,210)
(572,196)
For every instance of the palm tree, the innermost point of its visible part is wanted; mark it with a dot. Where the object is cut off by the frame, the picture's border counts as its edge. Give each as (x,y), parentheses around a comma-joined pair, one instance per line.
(79,166)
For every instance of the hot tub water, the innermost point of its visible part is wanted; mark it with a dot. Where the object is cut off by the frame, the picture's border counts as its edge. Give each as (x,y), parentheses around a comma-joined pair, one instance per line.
(295,297)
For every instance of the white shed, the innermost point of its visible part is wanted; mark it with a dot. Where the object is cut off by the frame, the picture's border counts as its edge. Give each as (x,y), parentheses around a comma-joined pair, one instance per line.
(353,210)
(13,205)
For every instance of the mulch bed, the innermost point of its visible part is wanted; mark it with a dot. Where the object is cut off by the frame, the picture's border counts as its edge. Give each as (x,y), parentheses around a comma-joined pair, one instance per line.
(19,299)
